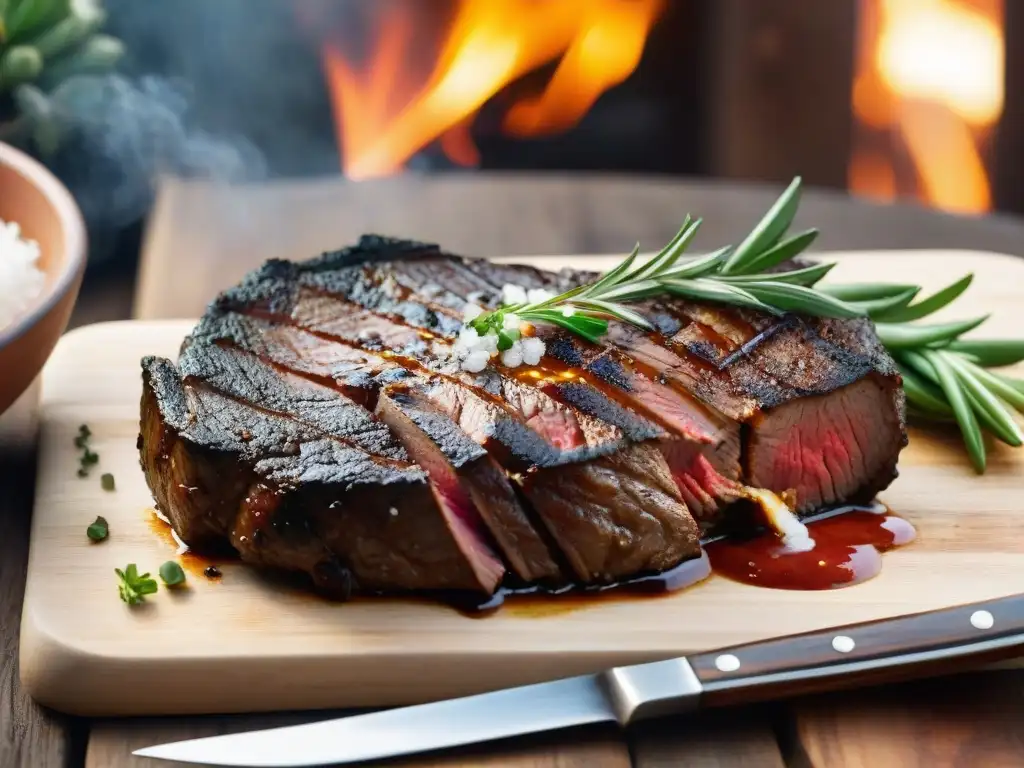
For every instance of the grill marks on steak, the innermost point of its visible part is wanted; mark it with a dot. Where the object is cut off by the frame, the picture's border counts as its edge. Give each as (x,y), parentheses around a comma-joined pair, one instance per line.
(580,468)
(468,473)
(322,482)
(490,426)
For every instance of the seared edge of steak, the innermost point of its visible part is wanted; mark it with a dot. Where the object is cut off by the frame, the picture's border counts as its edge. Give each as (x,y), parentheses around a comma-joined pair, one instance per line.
(299,498)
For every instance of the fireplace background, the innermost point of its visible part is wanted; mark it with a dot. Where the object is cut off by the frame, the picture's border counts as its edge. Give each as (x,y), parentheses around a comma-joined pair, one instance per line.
(724,89)
(733,89)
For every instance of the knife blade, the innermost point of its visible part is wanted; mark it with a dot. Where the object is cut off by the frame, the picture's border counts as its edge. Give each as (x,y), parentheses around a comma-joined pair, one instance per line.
(900,648)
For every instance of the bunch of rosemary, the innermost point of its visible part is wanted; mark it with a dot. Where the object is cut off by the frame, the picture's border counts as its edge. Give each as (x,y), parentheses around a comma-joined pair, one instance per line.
(945,377)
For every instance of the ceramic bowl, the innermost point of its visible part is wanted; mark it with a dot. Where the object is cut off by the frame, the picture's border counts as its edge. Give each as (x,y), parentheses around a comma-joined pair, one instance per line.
(33,197)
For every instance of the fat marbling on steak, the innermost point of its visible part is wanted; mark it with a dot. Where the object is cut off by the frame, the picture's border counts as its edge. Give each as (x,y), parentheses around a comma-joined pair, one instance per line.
(316,421)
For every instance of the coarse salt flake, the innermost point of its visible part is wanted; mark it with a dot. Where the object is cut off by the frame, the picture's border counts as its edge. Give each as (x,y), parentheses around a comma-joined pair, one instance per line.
(511,322)
(513,356)
(533,350)
(537,295)
(471,312)
(476,361)
(513,294)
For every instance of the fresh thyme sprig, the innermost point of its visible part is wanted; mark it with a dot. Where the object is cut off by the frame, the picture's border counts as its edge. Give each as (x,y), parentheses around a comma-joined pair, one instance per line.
(945,377)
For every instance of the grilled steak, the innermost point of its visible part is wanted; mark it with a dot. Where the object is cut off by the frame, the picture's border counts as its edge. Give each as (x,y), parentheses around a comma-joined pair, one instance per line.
(316,421)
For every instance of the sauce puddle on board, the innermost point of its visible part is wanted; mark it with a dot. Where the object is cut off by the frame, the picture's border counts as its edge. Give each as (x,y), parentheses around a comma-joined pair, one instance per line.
(848,547)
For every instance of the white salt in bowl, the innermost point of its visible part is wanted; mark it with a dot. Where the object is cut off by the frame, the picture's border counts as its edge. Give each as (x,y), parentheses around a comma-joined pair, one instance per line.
(33,198)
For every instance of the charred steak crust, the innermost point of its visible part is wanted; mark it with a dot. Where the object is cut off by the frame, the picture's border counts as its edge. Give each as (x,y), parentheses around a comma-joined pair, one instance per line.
(315,422)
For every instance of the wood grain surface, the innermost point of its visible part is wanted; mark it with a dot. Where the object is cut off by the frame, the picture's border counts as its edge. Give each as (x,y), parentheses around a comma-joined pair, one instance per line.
(169,656)
(112,742)
(30,735)
(202,236)
(962,721)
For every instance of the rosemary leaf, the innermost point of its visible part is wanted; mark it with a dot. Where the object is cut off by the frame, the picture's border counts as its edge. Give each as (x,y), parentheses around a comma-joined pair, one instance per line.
(897,336)
(767,232)
(927,306)
(998,385)
(807,276)
(698,267)
(873,307)
(618,311)
(612,277)
(784,251)
(923,393)
(701,289)
(671,253)
(865,291)
(631,291)
(1011,382)
(962,409)
(990,353)
(796,298)
(590,328)
(987,407)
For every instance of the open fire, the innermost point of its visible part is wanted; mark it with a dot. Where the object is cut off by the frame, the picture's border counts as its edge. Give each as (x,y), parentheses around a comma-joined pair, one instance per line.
(927,94)
(386,112)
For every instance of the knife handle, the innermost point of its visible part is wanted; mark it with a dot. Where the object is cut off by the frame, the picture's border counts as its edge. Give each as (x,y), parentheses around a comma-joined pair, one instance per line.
(863,654)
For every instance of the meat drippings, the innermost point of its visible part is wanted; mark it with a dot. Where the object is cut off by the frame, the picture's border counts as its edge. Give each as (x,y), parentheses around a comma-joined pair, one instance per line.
(847,550)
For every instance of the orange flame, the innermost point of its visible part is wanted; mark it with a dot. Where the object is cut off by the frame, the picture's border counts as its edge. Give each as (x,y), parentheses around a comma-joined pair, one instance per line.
(927,92)
(383,119)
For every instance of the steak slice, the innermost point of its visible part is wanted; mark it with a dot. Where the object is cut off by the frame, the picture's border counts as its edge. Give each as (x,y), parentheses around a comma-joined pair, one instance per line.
(468,473)
(304,495)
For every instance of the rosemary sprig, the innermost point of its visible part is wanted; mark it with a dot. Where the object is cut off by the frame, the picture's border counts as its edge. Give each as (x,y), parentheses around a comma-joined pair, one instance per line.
(945,377)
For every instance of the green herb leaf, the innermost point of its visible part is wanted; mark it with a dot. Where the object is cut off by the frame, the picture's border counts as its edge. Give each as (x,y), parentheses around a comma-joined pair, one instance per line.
(958,401)
(806,276)
(999,385)
(617,311)
(767,232)
(99,530)
(171,574)
(896,336)
(590,328)
(990,353)
(796,298)
(671,253)
(873,307)
(107,481)
(698,267)
(784,251)
(927,306)
(865,291)
(133,586)
(923,393)
(987,408)
(702,289)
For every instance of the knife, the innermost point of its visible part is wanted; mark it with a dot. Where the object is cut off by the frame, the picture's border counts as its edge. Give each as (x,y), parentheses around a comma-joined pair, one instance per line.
(901,648)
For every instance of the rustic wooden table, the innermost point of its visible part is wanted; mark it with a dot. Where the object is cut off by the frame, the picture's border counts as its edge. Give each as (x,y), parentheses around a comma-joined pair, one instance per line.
(203,237)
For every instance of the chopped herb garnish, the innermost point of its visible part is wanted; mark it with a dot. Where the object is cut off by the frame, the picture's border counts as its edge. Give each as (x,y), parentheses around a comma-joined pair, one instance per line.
(107,481)
(172,574)
(89,457)
(99,530)
(132,586)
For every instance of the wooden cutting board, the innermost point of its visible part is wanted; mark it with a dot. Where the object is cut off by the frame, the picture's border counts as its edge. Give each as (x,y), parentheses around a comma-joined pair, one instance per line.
(244,644)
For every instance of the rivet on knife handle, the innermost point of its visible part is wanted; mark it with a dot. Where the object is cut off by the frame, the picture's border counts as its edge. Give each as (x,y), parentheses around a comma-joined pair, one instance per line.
(862,654)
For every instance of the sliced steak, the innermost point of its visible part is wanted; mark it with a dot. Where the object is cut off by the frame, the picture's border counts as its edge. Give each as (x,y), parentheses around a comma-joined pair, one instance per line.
(288,493)
(584,467)
(470,476)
